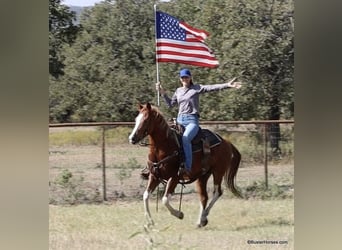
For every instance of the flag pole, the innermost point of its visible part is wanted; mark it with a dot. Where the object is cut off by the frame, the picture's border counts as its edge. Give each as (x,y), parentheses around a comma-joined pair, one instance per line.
(157,65)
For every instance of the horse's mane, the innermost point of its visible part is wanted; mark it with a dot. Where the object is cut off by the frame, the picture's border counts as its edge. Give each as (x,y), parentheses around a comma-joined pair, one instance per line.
(156,109)
(159,115)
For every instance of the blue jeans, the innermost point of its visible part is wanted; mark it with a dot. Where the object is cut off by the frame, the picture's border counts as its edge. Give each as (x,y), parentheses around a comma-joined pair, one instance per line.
(191,124)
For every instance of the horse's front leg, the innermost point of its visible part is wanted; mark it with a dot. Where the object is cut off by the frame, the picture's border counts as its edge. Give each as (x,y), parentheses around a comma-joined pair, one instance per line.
(151,185)
(170,187)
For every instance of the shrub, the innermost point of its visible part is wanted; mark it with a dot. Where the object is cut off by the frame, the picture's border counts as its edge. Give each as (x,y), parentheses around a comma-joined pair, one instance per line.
(67,189)
(258,191)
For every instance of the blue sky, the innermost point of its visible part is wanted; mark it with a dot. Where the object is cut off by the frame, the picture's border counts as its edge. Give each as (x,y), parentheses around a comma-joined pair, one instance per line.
(80,2)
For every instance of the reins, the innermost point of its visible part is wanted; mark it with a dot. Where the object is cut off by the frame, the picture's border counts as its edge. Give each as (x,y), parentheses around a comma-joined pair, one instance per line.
(157,164)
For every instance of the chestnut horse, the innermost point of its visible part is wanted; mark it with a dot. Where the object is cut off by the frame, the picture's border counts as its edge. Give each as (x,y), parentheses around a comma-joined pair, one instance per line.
(164,161)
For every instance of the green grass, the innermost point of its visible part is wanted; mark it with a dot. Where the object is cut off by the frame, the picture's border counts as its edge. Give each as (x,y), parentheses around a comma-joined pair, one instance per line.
(74,138)
(120,225)
(87,136)
(250,144)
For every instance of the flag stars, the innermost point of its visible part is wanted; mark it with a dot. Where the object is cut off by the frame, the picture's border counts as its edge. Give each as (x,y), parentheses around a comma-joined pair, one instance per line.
(170,29)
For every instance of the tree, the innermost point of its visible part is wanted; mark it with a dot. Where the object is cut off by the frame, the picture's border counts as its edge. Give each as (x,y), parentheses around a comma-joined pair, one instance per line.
(108,66)
(254,40)
(61,31)
(264,33)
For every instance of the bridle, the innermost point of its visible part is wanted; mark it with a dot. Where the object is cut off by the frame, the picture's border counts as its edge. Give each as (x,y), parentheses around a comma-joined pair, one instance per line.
(159,163)
(156,165)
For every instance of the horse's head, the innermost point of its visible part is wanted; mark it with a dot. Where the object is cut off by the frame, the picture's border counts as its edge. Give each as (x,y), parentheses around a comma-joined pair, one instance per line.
(142,124)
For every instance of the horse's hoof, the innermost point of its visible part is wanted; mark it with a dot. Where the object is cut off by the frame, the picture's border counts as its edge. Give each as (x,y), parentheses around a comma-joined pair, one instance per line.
(181,215)
(203,223)
(148,225)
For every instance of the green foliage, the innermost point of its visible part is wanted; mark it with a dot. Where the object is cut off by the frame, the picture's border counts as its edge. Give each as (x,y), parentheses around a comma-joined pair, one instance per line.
(61,31)
(64,178)
(105,73)
(76,138)
(110,66)
(252,148)
(249,146)
(126,169)
(258,190)
(68,190)
(117,135)
(114,136)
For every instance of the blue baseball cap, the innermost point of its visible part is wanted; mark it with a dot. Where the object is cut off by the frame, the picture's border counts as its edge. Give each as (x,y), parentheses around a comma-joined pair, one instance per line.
(185,72)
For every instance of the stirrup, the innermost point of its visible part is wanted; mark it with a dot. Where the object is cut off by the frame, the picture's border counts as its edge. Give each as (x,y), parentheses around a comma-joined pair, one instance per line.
(144,173)
(204,170)
(184,174)
(181,169)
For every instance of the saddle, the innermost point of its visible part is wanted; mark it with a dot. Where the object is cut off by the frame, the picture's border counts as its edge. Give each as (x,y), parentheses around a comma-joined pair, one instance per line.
(204,139)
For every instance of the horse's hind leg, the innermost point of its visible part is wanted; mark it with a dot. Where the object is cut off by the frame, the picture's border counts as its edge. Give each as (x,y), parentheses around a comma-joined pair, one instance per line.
(203,220)
(203,194)
(216,195)
(170,187)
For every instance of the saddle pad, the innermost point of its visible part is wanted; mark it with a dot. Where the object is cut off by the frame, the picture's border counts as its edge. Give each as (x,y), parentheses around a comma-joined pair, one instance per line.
(213,139)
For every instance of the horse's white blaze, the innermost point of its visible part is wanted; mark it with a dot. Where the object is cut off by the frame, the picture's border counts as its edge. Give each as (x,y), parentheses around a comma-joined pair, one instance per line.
(138,120)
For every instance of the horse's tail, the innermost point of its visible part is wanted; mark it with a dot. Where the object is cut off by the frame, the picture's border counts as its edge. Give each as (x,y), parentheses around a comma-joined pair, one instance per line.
(232,171)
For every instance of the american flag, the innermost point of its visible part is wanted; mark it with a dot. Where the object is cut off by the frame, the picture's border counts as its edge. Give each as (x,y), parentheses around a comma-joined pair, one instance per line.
(180,43)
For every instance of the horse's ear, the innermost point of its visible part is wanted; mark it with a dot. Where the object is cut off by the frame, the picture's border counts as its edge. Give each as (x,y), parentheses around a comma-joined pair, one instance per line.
(140,106)
(148,106)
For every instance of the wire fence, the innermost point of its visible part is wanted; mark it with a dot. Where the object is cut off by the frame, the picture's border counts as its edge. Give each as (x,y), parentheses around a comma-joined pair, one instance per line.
(93,162)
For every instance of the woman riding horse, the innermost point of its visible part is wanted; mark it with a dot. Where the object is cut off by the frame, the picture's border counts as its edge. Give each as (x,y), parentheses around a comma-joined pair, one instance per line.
(187,98)
(164,161)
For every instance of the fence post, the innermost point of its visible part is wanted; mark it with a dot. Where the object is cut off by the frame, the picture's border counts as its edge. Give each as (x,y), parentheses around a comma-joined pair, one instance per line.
(265,155)
(104,163)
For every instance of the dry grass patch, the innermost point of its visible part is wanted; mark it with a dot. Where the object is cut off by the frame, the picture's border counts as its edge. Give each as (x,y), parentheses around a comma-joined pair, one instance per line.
(119,225)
